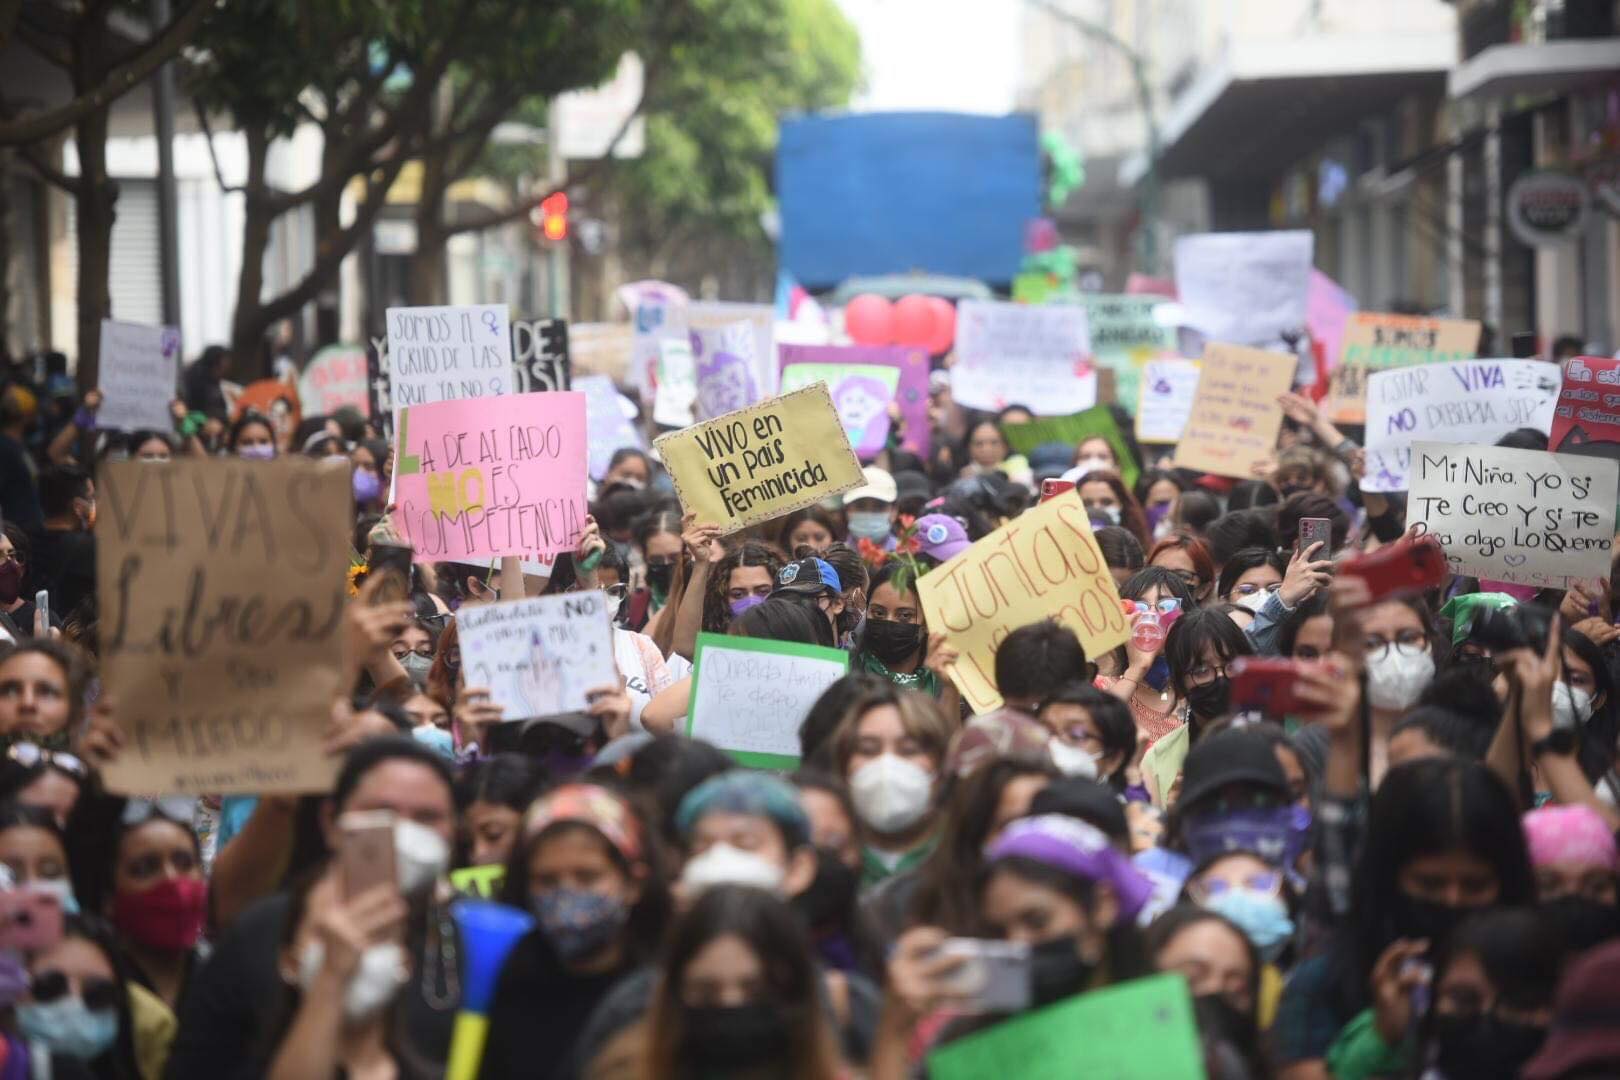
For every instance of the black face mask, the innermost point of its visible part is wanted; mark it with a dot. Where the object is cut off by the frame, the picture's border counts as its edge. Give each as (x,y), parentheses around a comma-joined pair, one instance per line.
(720,1039)
(1211,700)
(1483,1047)
(1584,923)
(661,576)
(830,900)
(1415,919)
(1056,972)
(890,641)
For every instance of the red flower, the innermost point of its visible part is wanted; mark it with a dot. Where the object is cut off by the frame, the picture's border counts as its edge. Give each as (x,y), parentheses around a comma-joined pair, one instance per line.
(872,553)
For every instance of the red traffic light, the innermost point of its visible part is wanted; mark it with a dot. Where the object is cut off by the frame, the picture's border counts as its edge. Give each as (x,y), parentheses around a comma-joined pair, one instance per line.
(554,216)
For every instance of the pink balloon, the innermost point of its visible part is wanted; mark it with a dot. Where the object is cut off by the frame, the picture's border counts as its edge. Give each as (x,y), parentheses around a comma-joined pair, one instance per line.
(914,321)
(869,320)
(944,335)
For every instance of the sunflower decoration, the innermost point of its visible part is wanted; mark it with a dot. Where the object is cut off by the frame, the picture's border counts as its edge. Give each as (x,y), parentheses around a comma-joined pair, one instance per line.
(357,575)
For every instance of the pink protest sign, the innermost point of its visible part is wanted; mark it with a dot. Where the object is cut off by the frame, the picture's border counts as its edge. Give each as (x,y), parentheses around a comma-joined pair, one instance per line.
(1327,308)
(487,477)
(862,396)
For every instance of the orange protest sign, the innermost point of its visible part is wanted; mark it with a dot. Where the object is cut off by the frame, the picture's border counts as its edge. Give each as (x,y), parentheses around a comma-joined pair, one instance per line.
(1376,341)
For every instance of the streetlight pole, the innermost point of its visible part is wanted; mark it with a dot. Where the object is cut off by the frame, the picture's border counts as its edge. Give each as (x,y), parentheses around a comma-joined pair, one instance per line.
(1148,187)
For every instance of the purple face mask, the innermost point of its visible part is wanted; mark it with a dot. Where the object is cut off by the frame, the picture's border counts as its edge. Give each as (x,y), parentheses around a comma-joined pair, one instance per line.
(749,601)
(1275,835)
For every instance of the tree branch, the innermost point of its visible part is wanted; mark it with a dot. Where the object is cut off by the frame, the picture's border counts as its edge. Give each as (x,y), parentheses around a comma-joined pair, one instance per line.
(42,43)
(213,155)
(9,12)
(119,81)
(47,172)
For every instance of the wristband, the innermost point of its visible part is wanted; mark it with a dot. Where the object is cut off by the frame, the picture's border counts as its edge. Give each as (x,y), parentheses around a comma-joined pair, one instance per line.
(591,561)
(1346,447)
(84,419)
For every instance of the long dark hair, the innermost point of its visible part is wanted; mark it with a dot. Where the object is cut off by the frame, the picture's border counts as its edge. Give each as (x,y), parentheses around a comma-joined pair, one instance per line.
(1124,956)
(1184,647)
(1131,518)
(945,894)
(118,1062)
(716,606)
(1598,734)
(780,941)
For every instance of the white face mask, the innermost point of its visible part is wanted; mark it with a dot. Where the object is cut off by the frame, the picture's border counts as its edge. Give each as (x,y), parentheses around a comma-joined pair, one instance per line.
(1395,680)
(890,793)
(1254,601)
(381,974)
(420,856)
(1572,706)
(1072,760)
(1093,463)
(723,864)
(1109,512)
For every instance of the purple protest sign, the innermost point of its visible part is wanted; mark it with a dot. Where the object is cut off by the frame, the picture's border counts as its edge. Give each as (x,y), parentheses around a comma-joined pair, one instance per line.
(854,390)
(1327,308)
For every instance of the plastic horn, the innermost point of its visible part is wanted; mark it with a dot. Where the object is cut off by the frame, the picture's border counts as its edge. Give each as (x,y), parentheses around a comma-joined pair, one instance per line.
(488,933)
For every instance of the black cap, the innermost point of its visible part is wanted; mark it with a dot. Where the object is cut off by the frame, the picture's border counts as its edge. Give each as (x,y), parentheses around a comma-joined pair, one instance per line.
(1233,756)
(1086,800)
(809,577)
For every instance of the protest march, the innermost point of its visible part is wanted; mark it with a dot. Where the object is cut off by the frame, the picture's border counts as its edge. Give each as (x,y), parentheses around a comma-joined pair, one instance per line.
(912,631)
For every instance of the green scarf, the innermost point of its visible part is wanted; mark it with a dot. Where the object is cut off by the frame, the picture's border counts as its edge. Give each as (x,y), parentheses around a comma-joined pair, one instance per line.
(922,679)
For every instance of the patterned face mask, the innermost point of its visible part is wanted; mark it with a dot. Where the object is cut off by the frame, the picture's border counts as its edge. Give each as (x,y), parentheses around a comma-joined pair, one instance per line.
(578,922)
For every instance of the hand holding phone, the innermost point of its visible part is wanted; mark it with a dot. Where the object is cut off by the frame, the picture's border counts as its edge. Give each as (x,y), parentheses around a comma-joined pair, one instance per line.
(1406,567)
(1051,489)
(1269,684)
(366,851)
(994,976)
(392,563)
(1316,530)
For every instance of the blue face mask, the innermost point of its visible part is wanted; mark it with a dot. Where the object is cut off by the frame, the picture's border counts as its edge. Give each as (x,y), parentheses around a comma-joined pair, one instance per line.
(1272,834)
(436,739)
(870,525)
(1262,916)
(66,1027)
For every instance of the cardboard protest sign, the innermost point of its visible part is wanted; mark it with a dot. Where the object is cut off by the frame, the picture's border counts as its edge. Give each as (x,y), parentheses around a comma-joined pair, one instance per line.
(1044,565)
(1235,416)
(608,422)
(761,319)
(1097,421)
(540,356)
(845,369)
(222,585)
(1526,517)
(448,353)
(763,461)
(1166,401)
(724,359)
(336,377)
(1124,337)
(1374,341)
(749,695)
(539,656)
(487,478)
(1143,1029)
(1586,420)
(675,397)
(140,366)
(1465,401)
(1038,356)
(1247,288)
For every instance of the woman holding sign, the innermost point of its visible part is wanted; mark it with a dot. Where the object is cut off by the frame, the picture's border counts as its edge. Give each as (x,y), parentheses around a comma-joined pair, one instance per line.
(895,644)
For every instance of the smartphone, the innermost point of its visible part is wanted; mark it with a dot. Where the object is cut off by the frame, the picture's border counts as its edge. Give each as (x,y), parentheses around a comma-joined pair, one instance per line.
(994,975)
(1406,567)
(30,919)
(1314,530)
(392,562)
(366,850)
(1268,684)
(1051,489)
(42,604)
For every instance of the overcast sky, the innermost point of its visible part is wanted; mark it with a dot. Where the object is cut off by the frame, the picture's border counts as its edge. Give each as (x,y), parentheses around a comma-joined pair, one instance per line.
(956,55)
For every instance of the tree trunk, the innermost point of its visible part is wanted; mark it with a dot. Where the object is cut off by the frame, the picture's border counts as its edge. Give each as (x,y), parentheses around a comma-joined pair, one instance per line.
(328,227)
(428,273)
(247,325)
(94,204)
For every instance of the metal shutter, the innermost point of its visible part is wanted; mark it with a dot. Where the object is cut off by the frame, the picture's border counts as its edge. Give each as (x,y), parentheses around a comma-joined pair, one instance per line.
(134,281)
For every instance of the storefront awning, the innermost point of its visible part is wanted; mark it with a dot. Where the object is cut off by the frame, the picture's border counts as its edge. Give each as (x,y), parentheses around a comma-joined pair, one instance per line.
(1550,67)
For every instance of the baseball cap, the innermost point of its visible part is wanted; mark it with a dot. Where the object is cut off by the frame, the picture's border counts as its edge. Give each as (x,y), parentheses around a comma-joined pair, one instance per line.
(1585,1032)
(879,485)
(1234,756)
(808,577)
(940,536)
(911,484)
(1001,733)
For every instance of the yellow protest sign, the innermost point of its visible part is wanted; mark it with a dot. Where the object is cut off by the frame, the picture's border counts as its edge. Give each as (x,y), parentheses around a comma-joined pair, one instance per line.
(1235,416)
(763,461)
(1375,341)
(1044,565)
(222,588)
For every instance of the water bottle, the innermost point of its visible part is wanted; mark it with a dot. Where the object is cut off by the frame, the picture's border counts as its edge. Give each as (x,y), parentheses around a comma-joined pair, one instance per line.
(1147,634)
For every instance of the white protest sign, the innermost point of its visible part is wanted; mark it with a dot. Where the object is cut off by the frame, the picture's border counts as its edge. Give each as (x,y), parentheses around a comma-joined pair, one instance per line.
(448,353)
(726,379)
(749,695)
(1525,517)
(710,314)
(676,395)
(657,311)
(1036,355)
(139,368)
(538,656)
(609,423)
(1245,288)
(1165,399)
(1463,401)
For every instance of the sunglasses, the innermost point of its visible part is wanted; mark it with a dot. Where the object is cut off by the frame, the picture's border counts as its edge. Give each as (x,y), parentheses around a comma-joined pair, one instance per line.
(48,986)
(30,754)
(179,809)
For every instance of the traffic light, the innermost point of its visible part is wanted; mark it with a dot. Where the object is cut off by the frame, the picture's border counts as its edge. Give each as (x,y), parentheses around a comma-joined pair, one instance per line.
(554,217)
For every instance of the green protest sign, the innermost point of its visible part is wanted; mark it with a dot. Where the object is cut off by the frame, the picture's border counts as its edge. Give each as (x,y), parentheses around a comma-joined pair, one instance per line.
(1073,430)
(1139,1030)
(749,695)
(484,881)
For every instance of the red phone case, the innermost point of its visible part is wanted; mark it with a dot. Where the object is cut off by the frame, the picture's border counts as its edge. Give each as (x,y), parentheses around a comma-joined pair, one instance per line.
(1051,489)
(1402,568)
(1268,683)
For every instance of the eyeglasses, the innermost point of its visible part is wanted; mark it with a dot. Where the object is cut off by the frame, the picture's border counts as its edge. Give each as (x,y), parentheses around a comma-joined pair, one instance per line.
(1075,735)
(616,592)
(30,754)
(1164,606)
(1193,580)
(1407,643)
(439,619)
(1249,588)
(1264,882)
(47,986)
(425,651)
(179,809)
